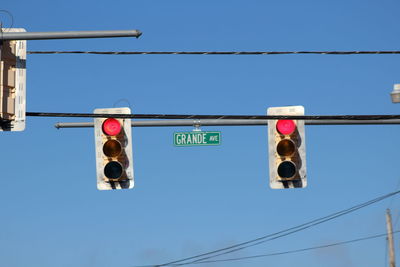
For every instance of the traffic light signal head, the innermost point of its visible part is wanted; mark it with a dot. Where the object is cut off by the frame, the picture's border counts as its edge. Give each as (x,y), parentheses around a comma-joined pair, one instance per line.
(12,83)
(113,150)
(286,141)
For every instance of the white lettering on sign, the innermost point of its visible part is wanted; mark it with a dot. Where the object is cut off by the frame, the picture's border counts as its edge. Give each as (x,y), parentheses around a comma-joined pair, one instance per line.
(191,138)
(178,140)
(196,138)
(214,138)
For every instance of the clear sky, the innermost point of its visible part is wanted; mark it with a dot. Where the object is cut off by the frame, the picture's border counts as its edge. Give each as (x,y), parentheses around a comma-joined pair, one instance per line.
(190,200)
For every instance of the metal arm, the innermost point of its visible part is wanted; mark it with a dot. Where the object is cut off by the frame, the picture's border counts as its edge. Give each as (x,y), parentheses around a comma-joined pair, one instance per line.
(67,35)
(174,123)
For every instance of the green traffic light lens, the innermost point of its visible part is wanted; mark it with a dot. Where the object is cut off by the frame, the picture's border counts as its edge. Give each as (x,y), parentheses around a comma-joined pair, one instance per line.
(286,148)
(112,148)
(113,170)
(287,170)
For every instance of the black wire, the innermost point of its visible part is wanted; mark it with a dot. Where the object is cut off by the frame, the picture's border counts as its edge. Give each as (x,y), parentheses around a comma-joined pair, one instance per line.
(273,236)
(215,52)
(298,250)
(220,117)
(300,227)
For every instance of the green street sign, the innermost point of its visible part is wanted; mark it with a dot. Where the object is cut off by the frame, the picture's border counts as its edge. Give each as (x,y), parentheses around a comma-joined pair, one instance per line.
(197,138)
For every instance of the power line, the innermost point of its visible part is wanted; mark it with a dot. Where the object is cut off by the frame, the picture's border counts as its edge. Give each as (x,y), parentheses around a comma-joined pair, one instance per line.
(299,228)
(216,52)
(391,203)
(297,250)
(273,236)
(219,117)
(397,188)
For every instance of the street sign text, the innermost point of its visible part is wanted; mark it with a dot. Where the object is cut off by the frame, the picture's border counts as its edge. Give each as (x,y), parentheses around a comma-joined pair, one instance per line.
(197,138)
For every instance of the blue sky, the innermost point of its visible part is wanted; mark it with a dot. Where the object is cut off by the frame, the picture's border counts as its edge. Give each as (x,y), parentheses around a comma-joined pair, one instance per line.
(189,200)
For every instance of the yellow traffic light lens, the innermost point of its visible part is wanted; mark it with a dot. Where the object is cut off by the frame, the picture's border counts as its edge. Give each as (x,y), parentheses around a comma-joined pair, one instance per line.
(286,148)
(287,170)
(113,170)
(112,148)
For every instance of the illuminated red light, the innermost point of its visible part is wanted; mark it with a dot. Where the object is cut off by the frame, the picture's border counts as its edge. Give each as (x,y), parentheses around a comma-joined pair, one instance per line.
(111,127)
(285,127)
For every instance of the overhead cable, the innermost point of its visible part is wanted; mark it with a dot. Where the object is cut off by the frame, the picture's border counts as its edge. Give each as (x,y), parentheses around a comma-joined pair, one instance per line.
(216,52)
(299,250)
(218,117)
(273,236)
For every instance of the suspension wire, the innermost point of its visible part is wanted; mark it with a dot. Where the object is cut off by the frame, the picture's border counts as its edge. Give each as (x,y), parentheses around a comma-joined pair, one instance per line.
(220,117)
(273,236)
(299,250)
(216,52)
(317,222)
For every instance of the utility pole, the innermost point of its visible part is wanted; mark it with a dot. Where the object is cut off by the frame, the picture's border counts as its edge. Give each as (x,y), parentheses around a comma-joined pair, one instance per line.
(390,238)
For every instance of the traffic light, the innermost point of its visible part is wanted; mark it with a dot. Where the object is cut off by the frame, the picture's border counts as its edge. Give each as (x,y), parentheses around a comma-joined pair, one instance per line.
(12,83)
(287,149)
(114,162)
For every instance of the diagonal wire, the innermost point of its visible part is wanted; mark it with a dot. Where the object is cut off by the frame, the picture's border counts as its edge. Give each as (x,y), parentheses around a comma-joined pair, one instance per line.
(298,250)
(391,203)
(397,188)
(269,237)
(302,227)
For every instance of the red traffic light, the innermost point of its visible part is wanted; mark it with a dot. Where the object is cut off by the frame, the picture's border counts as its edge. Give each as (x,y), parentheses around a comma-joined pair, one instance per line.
(286,127)
(286,147)
(111,127)
(113,139)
